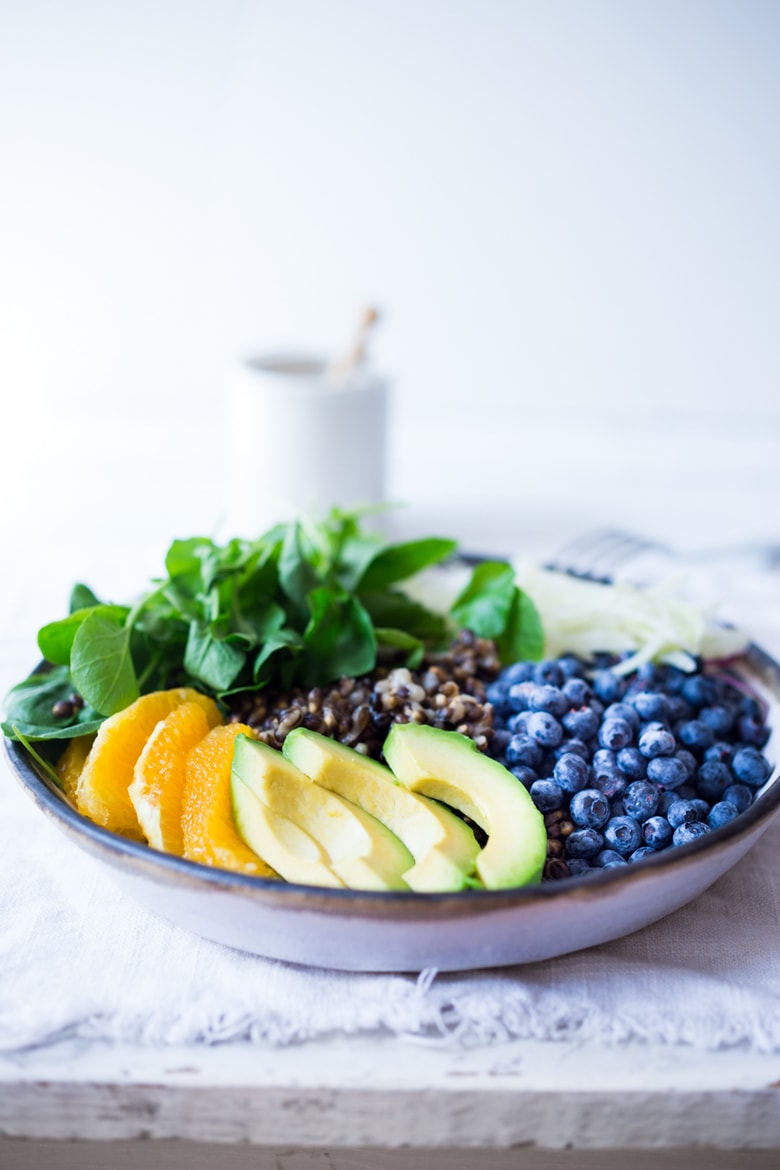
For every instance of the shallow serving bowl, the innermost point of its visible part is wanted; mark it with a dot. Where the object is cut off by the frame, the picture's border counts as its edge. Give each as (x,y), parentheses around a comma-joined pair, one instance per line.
(357,931)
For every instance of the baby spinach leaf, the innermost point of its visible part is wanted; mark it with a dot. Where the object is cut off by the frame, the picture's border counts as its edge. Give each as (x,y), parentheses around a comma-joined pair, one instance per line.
(42,763)
(393,609)
(297,576)
(211,661)
(29,708)
(400,640)
(101,664)
(523,638)
(82,597)
(399,561)
(484,605)
(287,639)
(55,640)
(339,638)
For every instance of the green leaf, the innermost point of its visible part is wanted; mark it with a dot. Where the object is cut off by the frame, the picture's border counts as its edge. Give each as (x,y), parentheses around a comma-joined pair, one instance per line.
(339,638)
(101,664)
(209,660)
(185,557)
(288,640)
(82,597)
(401,640)
(394,610)
(46,765)
(297,576)
(55,640)
(484,605)
(523,637)
(399,561)
(28,707)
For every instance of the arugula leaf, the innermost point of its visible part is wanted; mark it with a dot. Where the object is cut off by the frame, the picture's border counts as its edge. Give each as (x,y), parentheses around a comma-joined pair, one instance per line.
(55,640)
(211,661)
(339,638)
(297,575)
(28,708)
(399,561)
(400,640)
(101,664)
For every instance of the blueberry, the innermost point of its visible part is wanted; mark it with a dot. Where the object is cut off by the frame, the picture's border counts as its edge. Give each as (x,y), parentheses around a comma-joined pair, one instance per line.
(498,743)
(647,673)
(612,784)
(623,711)
(603,758)
(584,843)
(678,710)
(575,747)
(721,813)
(750,767)
(615,734)
(617,807)
(720,719)
(753,731)
(667,771)
(750,707)
(697,734)
(571,666)
(686,833)
(571,773)
(518,694)
(623,834)
(545,728)
(657,832)
(578,866)
(721,752)
(740,796)
(608,858)
(700,691)
(632,763)
(702,807)
(524,774)
(518,672)
(548,672)
(546,795)
(608,686)
(642,851)
(518,723)
(665,802)
(682,812)
(650,705)
(688,759)
(582,722)
(640,800)
(548,698)
(589,809)
(576,691)
(713,780)
(497,693)
(656,740)
(522,749)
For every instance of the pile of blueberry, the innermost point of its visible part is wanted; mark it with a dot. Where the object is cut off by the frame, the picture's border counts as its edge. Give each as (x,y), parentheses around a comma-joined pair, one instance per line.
(623,767)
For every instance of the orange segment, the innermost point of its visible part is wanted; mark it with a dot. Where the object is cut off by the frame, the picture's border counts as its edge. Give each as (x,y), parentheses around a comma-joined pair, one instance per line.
(102,787)
(158,779)
(71,763)
(210,835)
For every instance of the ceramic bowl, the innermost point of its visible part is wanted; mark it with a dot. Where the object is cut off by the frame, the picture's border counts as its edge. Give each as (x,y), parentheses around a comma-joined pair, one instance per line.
(357,931)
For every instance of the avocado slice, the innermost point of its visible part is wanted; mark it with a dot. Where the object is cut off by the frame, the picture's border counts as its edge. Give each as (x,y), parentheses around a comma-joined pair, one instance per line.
(288,849)
(442,845)
(358,848)
(448,767)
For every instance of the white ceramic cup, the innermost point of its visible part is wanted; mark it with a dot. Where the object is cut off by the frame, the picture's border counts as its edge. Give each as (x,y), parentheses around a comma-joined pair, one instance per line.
(300,442)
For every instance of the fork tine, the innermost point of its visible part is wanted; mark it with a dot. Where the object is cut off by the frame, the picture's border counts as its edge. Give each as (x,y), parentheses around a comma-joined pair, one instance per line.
(594,556)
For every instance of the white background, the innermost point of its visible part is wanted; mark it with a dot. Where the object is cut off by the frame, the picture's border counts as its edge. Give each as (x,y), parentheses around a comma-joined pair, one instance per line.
(568,212)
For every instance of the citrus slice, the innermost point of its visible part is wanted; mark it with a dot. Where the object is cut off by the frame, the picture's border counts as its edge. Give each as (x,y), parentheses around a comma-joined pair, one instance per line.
(208,829)
(158,777)
(102,787)
(71,763)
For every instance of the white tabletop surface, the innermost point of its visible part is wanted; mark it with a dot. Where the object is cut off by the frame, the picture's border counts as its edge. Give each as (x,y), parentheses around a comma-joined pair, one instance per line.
(378,1092)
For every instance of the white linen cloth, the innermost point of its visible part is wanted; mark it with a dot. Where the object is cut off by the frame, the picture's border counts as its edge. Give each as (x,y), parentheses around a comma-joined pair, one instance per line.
(79,958)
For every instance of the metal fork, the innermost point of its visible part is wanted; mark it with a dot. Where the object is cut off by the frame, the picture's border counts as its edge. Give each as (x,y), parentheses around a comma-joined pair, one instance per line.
(597,555)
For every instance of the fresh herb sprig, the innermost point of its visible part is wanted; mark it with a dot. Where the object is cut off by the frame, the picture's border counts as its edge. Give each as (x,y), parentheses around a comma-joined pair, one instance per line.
(304,604)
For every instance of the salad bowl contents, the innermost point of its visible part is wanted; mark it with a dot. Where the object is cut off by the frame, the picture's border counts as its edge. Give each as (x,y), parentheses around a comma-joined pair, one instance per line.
(292,746)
